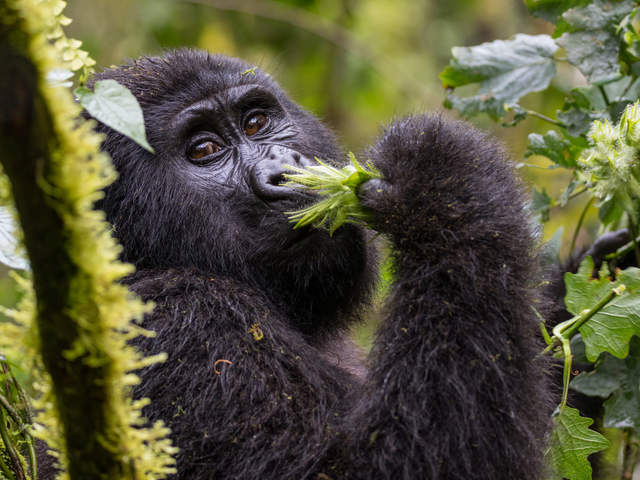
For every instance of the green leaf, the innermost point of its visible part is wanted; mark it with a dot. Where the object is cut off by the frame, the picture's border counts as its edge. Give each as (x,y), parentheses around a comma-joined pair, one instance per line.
(578,120)
(559,151)
(592,41)
(506,70)
(609,211)
(519,114)
(551,10)
(566,193)
(116,107)
(620,379)
(602,381)
(11,250)
(571,443)
(611,328)
(541,203)
(589,97)
(551,251)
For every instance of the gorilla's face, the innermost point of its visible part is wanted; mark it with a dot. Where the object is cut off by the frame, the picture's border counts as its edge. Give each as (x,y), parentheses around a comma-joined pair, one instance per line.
(234,146)
(212,196)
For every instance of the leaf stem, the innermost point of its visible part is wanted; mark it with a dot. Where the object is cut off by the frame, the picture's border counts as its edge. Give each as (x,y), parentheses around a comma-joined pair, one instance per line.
(4,403)
(550,120)
(579,225)
(622,251)
(546,119)
(604,95)
(570,328)
(5,470)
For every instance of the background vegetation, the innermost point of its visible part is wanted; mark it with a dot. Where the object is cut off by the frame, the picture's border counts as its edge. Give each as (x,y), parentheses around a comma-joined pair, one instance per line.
(354,62)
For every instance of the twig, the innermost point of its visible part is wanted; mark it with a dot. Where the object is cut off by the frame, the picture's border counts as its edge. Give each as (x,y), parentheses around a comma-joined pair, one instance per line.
(572,326)
(550,120)
(4,403)
(579,225)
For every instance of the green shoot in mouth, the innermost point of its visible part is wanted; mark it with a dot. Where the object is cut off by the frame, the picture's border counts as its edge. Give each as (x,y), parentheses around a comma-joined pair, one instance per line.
(341,204)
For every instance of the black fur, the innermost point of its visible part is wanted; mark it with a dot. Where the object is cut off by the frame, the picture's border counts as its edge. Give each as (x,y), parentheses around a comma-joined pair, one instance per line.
(451,389)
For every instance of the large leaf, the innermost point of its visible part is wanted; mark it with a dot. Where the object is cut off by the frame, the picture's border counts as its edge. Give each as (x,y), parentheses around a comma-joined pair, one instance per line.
(620,379)
(11,252)
(505,69)
(116,107)
(559,151)
(551,10)
(592,41)
(571,443)
(611,328)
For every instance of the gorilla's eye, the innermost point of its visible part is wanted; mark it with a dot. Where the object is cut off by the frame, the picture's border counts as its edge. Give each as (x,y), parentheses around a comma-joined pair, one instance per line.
(202,150)
(254,124)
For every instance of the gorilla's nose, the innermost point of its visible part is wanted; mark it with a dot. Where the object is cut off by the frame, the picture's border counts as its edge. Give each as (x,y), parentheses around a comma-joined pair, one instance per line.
(267,176)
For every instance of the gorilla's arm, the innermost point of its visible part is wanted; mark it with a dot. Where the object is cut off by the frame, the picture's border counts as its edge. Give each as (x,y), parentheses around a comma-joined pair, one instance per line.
(453,390)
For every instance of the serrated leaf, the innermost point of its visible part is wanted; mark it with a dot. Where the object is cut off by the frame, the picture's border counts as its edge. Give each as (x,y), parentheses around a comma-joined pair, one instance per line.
(578,120)
(592,41)
(611,328)
(551,10)
(519,114)
(116,107)
(541,203)
(620,379)
(559,151)
(506,69)
(571,443)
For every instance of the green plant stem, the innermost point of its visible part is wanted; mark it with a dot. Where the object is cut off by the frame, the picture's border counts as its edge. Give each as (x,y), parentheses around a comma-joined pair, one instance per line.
(8,447)
(12,413)
(5,470)
(579,225)
(604,95)
(634,235)
(631,452)
(557,123)
(622,251)
(533,113)
(22,427)
(571,327)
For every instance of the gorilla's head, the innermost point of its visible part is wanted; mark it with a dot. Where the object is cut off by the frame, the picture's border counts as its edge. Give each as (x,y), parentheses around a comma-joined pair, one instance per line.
(212,198)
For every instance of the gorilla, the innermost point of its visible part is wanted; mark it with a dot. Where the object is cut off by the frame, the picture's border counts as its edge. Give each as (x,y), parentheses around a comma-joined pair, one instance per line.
(262,380)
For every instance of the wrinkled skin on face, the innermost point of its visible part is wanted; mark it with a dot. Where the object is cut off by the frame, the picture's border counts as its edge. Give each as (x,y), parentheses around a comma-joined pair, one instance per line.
(212,197)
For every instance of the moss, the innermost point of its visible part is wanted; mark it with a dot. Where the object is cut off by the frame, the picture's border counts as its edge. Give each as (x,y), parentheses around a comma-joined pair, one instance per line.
(74,320)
